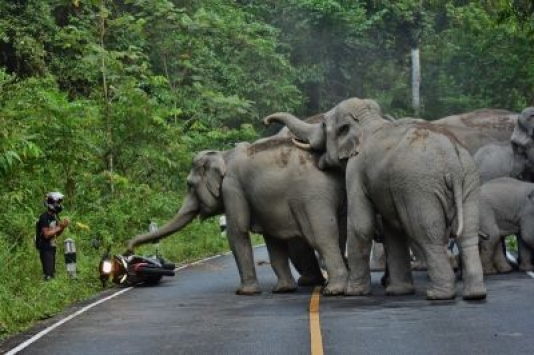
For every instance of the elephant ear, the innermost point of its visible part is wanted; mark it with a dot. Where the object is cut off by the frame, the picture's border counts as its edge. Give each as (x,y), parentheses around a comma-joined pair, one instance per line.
(215,170)
(351,139)
(349,145)
(374,108)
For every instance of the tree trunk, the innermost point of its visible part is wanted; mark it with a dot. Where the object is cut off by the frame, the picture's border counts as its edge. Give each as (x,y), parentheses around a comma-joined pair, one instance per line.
(416,81)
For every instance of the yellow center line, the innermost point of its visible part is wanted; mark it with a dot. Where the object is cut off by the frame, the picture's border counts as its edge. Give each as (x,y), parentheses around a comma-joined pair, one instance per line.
(315,323)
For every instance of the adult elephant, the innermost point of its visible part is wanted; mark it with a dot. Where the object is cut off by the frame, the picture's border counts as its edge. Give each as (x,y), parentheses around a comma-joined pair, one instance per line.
(272,188)
(417,177)
(478,128)
(485,133)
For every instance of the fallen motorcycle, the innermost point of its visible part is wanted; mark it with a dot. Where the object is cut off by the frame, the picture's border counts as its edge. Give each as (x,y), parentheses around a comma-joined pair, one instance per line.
(132,270)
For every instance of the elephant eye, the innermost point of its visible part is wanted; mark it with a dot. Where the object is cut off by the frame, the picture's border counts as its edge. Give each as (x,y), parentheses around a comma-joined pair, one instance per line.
(190,183)
(342,130)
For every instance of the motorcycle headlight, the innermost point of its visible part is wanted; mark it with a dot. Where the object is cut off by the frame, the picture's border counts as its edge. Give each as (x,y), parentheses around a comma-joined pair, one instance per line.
(107,267)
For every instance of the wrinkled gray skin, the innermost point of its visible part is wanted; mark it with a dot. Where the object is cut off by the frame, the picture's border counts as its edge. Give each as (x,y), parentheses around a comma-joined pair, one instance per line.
(523,136)
(474,130)
(478,128)
(506,207)
(272,188)
(497,160)
(417,177)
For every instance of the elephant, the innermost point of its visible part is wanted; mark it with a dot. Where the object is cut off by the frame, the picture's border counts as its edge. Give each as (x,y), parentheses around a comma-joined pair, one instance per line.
(497,160)
(506,207)
(523,136)
(475,130)
(272,188)
(478,128)
(417,176)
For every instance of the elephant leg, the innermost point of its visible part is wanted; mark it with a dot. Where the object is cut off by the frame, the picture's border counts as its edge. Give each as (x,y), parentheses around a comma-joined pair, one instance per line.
(279,256)
(399,273)
(360,233)
(425,226)
(491,252)
(303,258)
(238,222)
(499,258)
(473,275)
(323,234)
(525,246)
(321,231)
(489,240)
(419,262)
(342,230)
(440,272)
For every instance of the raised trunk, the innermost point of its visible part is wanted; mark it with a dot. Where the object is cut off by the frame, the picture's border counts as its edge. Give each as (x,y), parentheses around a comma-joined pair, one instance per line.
(311,133)
(186,214)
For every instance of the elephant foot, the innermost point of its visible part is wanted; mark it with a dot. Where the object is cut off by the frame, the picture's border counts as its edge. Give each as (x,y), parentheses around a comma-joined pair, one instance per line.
(435,294)
(285,287)
(504,268)
(526,267)
(400,289)
(357,290)
(490,270)
(333,291)
(311,280)
(249,290)
(474,293)
(334,288)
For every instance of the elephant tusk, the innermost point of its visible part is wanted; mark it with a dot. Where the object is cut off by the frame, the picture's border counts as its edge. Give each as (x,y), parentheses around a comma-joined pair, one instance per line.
(300,144)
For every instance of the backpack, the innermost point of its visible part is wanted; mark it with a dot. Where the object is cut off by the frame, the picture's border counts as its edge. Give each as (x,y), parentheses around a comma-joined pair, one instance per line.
(38,239)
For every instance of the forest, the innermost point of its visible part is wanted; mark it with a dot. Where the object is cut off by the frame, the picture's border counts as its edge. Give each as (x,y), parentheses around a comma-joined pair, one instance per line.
(108,101)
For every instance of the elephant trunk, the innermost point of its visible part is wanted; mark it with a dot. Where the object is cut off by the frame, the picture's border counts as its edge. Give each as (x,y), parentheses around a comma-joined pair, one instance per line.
(306,132)
(520,139)
(186,214)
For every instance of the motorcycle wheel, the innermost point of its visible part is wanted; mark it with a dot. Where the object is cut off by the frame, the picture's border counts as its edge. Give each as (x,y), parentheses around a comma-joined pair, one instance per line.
(153,280)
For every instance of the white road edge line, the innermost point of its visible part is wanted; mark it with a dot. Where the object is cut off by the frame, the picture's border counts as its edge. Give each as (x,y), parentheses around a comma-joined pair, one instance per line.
(62,321)
(88,307)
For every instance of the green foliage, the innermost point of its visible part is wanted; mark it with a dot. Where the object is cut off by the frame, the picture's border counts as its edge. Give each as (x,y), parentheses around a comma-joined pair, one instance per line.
(37,299)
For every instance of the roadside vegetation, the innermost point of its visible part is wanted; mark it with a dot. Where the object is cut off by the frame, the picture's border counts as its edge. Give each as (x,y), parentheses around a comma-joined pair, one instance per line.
(107,101)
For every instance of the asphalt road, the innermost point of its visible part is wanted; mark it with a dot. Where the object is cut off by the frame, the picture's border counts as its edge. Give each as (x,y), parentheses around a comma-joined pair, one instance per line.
(197,312)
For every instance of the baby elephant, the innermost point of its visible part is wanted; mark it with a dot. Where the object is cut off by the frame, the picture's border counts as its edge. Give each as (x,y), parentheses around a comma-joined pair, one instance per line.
(506,207)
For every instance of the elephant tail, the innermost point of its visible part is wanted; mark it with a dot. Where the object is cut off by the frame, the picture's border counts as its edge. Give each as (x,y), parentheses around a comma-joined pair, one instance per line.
(457,189)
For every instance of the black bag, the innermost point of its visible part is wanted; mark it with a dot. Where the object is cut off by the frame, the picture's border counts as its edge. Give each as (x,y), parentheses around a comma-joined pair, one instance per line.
(38,237)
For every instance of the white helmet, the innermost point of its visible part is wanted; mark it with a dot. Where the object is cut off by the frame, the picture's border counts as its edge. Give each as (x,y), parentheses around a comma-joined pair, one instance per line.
(53,201)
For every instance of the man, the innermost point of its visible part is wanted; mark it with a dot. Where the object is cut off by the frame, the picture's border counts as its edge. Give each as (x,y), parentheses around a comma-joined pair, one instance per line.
(48,228)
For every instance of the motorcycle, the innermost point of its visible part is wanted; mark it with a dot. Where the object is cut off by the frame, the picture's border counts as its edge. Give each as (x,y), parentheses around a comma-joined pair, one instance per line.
(132,270)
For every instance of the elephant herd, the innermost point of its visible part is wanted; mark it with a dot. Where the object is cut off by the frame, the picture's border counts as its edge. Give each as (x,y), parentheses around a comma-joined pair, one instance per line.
(332,183)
